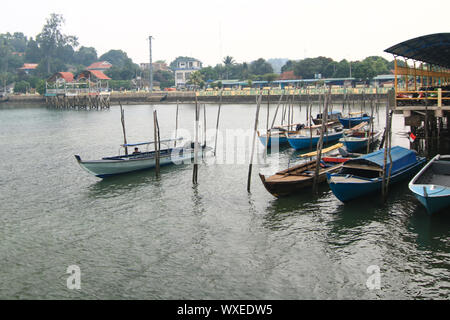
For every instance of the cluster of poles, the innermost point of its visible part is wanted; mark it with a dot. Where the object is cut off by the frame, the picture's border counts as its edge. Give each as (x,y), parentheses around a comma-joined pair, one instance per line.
(287,116)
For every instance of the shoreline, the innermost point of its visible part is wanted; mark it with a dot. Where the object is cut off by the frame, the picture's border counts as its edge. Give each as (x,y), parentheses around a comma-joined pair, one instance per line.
(189,98)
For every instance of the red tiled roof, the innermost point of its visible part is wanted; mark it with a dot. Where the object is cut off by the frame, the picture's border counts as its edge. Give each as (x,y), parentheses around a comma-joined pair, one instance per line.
(29,66)
(288,75)
(93,73)
(101,65)
(68,76)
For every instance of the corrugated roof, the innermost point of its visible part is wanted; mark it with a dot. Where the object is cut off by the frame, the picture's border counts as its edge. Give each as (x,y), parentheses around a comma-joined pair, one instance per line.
(101,65)
(432,48)
(67,76)
(97,74)
(29,66)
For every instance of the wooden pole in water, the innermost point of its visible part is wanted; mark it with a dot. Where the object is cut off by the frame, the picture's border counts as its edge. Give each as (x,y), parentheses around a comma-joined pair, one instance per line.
(249,179)
(122,119)
(197,118)
(217,123)
(320,143)
(370,138)
(157,142)
(268,133)
(204,125)
(176,126)
(276,111)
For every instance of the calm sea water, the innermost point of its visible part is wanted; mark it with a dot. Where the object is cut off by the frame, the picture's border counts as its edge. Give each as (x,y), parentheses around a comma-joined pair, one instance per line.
(140,237)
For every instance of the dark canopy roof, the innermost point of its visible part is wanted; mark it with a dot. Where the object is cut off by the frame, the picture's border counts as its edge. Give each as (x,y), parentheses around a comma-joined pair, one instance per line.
(433,49)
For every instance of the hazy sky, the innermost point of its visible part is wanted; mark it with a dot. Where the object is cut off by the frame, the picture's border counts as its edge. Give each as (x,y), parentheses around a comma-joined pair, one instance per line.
(245,30)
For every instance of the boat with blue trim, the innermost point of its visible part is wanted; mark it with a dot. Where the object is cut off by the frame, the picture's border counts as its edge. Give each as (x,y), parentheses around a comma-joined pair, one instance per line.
(309,136)
(111,166)
(333,116)
(349,122)
(364,175)
(431,186)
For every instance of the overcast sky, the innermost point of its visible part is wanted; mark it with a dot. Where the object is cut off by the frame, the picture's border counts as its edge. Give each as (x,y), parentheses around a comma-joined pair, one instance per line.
(246,30)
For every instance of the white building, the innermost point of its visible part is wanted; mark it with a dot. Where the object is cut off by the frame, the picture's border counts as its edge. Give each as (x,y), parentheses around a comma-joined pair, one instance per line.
(184,69)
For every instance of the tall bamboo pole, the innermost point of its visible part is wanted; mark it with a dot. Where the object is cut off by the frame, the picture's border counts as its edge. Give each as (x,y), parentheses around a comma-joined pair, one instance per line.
(176,126)
(122,119)
(197,118)
(253,143)
(156,142)
(320,143)
(217,123)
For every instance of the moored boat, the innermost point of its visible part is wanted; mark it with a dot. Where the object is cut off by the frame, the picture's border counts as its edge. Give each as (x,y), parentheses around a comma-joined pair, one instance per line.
(350,121)
(299,177)
(310,136)
(358,140)
(110,166)
(364,175)
(431,186)
(333,117)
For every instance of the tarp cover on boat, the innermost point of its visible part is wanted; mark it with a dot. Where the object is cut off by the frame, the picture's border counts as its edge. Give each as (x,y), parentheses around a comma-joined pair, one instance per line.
(401,158)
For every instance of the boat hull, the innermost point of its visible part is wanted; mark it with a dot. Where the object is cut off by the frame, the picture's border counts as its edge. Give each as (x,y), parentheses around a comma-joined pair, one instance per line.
(284,189)
(353,144)
(304,142)
(351,122)
(348,187)
(274,140)
(433,193)
(111,167)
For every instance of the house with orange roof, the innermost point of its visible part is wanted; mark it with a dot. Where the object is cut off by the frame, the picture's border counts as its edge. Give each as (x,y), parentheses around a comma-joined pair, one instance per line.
(100,66)
(28,67)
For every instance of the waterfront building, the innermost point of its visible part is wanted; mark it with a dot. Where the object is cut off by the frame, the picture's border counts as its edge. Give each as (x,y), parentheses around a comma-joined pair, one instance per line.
(183,70)
(28,67)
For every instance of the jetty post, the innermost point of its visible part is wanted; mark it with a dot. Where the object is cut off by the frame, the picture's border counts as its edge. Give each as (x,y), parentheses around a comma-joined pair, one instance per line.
(156,142)
(176,125)
(122,119)
(249,179)
(217,123)
(197,119)
(320,143)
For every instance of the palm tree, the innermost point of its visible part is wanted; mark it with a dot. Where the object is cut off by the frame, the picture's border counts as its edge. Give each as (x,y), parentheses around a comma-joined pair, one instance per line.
(196,79)
(228,61)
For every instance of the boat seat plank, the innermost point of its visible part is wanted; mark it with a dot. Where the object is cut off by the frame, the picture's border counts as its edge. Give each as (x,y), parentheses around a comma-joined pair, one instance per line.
(362,166)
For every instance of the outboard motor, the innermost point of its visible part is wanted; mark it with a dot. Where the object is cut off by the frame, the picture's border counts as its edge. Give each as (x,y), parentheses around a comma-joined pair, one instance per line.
(299,127)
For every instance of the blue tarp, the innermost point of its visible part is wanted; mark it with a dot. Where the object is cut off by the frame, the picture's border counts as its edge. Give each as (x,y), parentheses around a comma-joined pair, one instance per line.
(401,157)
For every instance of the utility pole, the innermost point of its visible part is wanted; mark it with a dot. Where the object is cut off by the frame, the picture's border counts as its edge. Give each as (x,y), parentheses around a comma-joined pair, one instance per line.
(151,64)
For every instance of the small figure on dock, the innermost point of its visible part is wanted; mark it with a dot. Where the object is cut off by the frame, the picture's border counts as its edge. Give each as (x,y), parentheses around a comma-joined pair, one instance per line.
(136,151)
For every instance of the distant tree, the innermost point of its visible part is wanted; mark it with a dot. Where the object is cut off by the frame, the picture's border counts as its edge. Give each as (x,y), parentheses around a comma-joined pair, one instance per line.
(85,56)
(32,52)
(308,67)
(117,58)
(288,66)
(52,41)
(228,61)
(196,79)
(21,87)
(260,67)
(270,77)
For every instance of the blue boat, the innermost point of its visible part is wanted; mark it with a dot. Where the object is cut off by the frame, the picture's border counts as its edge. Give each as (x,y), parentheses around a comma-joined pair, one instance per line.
(431,185)
(357,141)
(364,175)
(353,121)
(305,138)
(278,136)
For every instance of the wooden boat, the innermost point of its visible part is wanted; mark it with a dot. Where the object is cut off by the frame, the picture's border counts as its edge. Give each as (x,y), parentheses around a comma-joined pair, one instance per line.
(358,140)
(364,175)
(278,136)
(350,121)
(333,117)
(110,166)
(301,176)
(310,136)
(431,185)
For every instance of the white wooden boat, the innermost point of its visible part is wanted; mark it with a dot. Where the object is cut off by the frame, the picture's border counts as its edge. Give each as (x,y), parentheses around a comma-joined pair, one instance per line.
(110,166)
(431,185)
